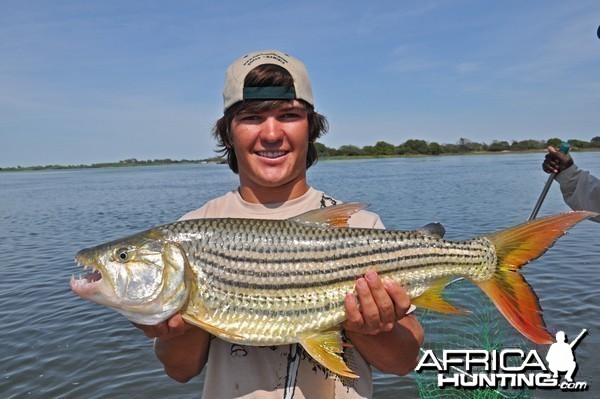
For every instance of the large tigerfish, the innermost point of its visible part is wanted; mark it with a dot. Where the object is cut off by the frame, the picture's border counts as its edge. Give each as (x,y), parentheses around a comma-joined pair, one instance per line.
(273,282)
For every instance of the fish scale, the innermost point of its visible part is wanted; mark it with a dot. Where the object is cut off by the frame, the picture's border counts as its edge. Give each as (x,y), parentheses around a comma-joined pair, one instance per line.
(306,271)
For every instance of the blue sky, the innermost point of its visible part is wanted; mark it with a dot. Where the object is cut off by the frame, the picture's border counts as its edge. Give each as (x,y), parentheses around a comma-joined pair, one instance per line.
(101,81)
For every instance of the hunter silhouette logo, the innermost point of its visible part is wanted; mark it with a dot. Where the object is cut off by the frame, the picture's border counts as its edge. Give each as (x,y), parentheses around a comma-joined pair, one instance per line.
(560,356)
(507,368)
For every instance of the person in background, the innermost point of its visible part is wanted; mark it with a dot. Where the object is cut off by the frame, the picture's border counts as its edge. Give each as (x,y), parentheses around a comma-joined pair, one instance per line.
(580,189)
(267,134)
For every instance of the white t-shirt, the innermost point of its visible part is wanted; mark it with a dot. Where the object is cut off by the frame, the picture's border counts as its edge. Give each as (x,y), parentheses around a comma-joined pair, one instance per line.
(286,371)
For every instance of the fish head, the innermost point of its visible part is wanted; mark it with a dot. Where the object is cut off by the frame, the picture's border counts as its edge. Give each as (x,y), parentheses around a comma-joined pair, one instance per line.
(141,277)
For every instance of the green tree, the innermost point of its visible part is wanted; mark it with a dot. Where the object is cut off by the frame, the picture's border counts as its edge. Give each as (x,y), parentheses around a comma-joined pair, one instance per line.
(497,146)
(434,148)
(466,145)
(578,144)
(463,144)
(415,146)
(383,148)
(554,142)
(349,150)
(451,148)
(324,151)
(400,150)
(527,145)
(369,150)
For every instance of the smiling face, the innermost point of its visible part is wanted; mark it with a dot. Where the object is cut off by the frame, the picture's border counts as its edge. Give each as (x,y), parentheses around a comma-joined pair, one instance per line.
(271,149)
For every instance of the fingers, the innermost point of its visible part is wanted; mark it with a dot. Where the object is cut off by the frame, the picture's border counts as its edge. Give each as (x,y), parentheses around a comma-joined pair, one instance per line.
(354,320)
(170,328)
(379,309)
(556,161)
(399,297)
(550,164)
(376,306)
(177,326)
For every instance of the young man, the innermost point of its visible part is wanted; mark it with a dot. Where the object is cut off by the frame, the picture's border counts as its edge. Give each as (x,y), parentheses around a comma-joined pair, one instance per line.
(267,133)
(580,189)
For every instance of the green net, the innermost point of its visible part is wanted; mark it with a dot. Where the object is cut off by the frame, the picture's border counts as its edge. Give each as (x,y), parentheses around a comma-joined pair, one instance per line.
(484,328)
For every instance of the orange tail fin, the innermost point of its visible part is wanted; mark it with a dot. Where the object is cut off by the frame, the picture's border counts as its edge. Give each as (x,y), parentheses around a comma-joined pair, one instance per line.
(515,247)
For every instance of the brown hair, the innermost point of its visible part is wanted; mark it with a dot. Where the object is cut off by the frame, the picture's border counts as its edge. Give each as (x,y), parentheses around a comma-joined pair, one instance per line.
(261,76)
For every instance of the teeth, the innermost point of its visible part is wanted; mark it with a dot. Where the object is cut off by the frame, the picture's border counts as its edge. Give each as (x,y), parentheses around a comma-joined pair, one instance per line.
(271,154)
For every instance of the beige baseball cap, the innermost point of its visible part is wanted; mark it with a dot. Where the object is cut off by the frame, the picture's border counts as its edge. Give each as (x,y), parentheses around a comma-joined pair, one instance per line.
(235,91)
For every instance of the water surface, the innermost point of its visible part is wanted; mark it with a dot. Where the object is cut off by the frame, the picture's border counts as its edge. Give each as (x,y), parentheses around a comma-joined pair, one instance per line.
(56,345)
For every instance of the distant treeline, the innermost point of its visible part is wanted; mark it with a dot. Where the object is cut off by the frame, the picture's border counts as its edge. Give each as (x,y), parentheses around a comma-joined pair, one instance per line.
(422,147)
(381,148)
(123,163)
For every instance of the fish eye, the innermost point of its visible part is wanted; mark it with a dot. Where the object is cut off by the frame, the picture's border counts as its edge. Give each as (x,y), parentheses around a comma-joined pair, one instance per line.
(122,254)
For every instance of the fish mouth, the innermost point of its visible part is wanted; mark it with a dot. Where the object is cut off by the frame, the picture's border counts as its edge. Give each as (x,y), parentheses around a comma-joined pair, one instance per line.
(86,283)
(89,284)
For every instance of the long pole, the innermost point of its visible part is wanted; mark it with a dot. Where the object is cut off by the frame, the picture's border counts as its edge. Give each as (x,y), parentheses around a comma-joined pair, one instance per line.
(564,148)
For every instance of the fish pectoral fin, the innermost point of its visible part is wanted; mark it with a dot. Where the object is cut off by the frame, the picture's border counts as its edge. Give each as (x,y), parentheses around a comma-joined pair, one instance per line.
(209,327)
(325,347)
(432,298)
(331,216)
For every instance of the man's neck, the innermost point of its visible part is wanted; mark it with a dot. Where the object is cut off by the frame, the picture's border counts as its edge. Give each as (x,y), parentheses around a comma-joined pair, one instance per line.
(273,195)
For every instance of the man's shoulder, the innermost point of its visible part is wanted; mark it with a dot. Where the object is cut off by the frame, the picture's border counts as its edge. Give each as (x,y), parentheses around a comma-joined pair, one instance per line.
(366,219)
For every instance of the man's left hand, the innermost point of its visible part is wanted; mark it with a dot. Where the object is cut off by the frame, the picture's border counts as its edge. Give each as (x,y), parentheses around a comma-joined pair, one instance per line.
(377,305)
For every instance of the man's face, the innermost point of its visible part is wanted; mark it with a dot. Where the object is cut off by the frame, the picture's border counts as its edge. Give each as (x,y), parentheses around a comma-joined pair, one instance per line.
(271,146)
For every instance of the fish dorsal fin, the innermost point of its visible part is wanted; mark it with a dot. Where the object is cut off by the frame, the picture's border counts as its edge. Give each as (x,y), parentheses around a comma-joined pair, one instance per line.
(433,229)
(325,347)
(331,216)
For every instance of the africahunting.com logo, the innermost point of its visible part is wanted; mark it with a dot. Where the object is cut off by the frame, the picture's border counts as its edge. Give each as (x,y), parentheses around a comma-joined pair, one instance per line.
(507,368)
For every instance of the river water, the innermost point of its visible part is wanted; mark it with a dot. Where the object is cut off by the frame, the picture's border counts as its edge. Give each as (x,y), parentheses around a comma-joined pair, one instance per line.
(56,345)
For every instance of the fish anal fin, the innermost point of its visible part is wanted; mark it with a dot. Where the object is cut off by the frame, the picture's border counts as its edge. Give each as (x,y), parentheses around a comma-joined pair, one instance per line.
(210,328)
(331,216)
(432,298)
(325,347)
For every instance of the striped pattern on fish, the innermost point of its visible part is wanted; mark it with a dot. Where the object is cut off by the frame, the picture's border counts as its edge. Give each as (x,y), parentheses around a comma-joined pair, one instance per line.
(273,280)
(270,282)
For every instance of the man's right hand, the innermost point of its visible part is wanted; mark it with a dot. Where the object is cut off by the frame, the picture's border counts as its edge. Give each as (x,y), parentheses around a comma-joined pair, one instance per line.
(181,347)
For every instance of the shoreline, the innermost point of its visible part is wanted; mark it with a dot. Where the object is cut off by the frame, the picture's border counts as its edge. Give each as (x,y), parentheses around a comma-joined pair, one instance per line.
(218,160)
